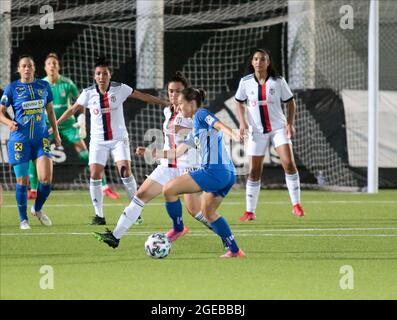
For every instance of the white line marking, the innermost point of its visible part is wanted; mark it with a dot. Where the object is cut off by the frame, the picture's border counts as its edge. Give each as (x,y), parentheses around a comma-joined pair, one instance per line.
(228,203)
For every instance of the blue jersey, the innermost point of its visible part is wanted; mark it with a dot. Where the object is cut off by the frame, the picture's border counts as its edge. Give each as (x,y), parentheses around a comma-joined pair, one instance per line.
(28,101)
(209,142)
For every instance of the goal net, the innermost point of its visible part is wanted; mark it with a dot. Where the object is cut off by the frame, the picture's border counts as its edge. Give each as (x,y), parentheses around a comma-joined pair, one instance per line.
(313,46)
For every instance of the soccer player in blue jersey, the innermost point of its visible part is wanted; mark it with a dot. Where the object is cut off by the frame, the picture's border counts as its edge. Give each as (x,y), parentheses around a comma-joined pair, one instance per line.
(215,177)
(29,99)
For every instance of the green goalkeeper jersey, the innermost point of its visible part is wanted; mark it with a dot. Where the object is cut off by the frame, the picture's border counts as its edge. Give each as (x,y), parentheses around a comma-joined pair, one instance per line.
(63,91)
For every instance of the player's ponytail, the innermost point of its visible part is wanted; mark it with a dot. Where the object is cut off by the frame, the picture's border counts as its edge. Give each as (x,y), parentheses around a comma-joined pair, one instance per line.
(180,77)
(197,95)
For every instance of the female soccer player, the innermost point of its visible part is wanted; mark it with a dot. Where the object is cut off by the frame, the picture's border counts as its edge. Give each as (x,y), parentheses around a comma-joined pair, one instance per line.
(108,131)
(215,177)
(264,90)
(175,128)
(30,98)
(72,133)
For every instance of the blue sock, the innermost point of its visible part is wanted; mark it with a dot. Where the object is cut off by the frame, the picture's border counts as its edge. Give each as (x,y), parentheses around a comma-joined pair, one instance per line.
(222,229)
(174,210)
(42,194)
(21,194)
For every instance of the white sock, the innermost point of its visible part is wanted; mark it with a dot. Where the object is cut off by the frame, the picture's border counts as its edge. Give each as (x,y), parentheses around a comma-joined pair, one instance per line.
(129,216)
(96,196)
(294,189)
(129,186)
(200,217)
(252,191)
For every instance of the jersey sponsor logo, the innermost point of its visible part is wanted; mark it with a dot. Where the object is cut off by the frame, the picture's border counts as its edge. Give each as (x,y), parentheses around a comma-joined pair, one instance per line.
(18,146)
(33,104)
(20,91)
(32,111)
(46,145)
(4,100)
(209,119)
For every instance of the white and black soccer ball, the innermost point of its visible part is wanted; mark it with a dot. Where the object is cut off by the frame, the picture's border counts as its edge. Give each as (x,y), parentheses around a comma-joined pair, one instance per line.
(157,245)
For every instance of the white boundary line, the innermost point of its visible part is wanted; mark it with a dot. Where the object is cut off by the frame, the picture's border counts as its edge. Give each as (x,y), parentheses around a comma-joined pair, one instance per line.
(230,203)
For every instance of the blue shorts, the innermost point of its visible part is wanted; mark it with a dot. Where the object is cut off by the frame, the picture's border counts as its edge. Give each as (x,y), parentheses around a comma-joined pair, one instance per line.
(23,151)
(219,182)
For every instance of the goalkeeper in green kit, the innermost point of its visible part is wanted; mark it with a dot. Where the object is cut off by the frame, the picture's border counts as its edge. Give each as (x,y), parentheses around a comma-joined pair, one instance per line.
(72,132)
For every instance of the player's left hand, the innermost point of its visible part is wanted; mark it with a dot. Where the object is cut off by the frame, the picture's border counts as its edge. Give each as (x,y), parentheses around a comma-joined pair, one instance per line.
(290,130)
(140,151)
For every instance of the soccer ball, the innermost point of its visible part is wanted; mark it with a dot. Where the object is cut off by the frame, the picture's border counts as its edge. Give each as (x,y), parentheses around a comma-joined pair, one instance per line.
(157,245)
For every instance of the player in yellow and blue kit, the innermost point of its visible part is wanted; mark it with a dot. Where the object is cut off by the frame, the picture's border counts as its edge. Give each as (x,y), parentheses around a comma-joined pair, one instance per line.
(29,99)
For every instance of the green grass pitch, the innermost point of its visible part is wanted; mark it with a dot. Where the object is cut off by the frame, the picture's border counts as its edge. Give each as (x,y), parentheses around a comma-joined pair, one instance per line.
(287,257)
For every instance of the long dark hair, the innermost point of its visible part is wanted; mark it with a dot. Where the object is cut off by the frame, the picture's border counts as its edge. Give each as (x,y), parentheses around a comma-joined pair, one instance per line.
(179,77)
(271,70)
(197,95)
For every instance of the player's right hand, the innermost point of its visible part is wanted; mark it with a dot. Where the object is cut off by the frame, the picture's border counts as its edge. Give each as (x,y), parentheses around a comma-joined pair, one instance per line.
(57,140)
(140,151)
(13,126)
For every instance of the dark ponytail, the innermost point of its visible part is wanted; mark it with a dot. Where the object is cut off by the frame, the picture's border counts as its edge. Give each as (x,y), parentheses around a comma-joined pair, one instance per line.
(271,70)
(180,77)
(197,95)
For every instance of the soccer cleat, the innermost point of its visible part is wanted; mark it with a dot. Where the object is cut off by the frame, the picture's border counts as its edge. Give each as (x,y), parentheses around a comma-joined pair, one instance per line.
(32,194)
(139,220)
(110,193)
(298,210)
(173,235)
(248,216)
(238,254)
(108,238)
(97,220)
(24,225)
(43,218)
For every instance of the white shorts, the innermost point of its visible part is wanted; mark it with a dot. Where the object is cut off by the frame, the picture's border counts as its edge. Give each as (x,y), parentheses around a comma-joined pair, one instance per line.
(100,150)
(258,142)
(163,175)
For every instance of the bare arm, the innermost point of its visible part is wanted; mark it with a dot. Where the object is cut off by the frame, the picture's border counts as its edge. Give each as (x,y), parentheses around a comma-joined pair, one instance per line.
(51,117)
(236,136)
(291,108)
(241,115)
(148,98)
(12,125)
(163,154)
(69,112)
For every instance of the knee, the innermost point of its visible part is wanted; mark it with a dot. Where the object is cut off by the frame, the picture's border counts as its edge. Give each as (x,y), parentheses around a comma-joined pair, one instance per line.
(45,180)
(125,171)
(168,192)
(290,167)
(24,181)
(255,175)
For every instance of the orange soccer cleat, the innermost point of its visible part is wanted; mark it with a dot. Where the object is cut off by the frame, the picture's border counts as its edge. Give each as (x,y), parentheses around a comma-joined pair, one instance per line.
(238,254)
(248,216)
(32,194)
(173,235)
(108,192)
(297,210)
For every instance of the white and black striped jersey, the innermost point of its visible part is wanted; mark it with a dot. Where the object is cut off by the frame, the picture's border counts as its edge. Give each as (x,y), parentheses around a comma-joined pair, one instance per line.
(264,102)
(175,128)
(107,117)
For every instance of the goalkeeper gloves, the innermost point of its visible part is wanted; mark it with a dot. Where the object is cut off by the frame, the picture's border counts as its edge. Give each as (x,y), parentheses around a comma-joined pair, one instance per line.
(81,125)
